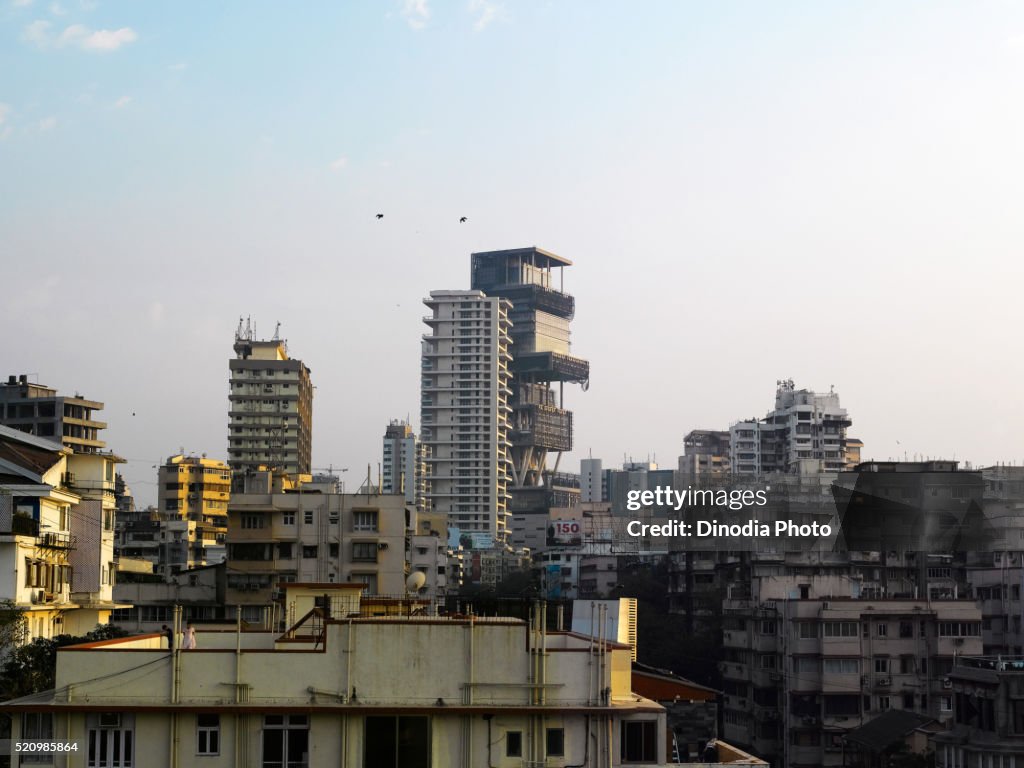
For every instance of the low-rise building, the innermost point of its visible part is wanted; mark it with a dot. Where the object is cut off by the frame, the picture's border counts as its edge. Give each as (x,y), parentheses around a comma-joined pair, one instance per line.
(387,692)
(985,694)
(282,531)
(56,534)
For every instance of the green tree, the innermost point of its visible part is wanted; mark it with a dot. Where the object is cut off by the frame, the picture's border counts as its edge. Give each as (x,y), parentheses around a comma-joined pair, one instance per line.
(13,627)
(32,667)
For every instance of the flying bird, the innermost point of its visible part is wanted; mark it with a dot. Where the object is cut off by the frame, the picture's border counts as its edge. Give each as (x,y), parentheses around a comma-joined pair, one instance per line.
(380,216)
(462,220)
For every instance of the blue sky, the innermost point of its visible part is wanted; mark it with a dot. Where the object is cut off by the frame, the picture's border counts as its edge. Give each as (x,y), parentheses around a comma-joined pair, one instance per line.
(750,191)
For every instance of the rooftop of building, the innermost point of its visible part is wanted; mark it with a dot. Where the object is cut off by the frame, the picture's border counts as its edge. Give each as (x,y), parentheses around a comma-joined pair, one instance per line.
(20,388)
(537,256)
(888,729)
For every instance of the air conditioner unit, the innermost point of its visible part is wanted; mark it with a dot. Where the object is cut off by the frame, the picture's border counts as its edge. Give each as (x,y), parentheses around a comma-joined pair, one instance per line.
(884,682)
(947,683)
(109,719)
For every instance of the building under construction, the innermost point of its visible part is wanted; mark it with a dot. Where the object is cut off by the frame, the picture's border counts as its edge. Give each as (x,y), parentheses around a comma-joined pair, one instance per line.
(540,315)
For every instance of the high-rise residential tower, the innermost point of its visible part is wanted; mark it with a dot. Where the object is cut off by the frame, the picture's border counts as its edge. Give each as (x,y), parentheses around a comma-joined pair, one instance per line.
(540,315)
(805,432)
(271,413)
(404,464)
(465,410)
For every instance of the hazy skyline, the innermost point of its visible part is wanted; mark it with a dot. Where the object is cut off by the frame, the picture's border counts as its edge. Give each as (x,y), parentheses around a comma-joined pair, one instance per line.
(822,191)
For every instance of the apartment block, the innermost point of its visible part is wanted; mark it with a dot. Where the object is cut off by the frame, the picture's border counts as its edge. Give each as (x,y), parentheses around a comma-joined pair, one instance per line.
(271,406)
(807,661)
(280,531)
(984,696)
(56,534)
(705,454)
(465,410)
(404,465)
(39,410)
(805,432)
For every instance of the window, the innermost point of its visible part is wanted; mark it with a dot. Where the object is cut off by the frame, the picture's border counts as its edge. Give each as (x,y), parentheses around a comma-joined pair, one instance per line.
(364,551)
(37,726)
(842,666)
(882,629)
(884,703)
(397,742)
(364,520)
(513,744)
(805,665)
(251,522)
(959,629)
(808,630)
(842,705)
(288,518)
(207,734)
(285,741)
(767,627)
(111,740)
(906,629)
(946,704)
(840,629)
(307,517)
(639,741)
(284,550)
(882,665)
(555,742)
(309,552)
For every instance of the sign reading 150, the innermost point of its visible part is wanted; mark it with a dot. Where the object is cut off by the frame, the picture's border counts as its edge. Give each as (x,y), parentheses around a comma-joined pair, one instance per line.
(567,528)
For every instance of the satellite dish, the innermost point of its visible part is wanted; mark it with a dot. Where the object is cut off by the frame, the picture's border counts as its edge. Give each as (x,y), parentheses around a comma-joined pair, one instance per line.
(415,581)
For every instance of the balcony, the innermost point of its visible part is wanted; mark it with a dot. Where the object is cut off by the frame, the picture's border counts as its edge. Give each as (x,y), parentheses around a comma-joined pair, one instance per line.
(55,540)
(551,366)
(545,427)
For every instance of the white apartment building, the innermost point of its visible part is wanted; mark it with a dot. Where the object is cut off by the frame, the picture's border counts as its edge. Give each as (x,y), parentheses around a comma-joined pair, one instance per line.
(805,432)
(56,534)
(465,410)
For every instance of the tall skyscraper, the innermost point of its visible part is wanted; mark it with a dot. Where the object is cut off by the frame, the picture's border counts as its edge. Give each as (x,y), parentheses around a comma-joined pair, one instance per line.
(540,315)
(465,410)
(271,411)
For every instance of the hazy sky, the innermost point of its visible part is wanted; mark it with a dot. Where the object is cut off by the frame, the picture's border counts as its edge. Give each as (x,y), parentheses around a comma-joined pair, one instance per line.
(828,191)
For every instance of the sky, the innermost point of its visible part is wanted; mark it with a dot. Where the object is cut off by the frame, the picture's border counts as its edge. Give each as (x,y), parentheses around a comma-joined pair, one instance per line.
(822,191)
